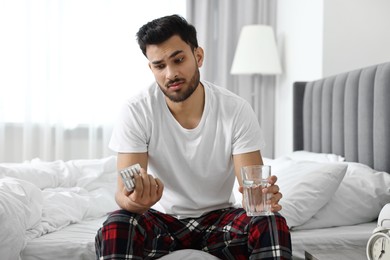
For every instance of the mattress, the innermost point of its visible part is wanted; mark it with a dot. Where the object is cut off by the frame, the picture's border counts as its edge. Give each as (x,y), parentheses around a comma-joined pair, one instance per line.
(77,241)
(344,237)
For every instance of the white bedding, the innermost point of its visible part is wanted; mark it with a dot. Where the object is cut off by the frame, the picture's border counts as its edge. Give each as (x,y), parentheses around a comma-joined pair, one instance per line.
(343,237)
(75,241)
(78,241)
(38,198)
(55,208)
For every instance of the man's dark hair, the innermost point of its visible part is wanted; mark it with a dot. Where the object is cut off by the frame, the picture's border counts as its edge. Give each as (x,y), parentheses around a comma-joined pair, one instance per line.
(161,29)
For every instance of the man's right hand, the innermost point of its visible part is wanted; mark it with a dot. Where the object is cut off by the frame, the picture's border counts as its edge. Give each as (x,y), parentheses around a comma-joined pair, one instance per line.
(148,191)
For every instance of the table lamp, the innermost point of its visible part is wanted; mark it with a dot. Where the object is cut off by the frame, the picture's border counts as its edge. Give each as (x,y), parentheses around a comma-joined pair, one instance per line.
(256,52)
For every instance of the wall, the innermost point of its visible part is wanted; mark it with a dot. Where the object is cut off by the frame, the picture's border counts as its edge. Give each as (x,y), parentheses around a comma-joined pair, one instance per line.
(356,34)
(320,38)
(299,37)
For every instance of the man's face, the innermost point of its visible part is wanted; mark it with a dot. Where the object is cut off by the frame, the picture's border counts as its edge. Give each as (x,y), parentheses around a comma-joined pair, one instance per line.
(175,67)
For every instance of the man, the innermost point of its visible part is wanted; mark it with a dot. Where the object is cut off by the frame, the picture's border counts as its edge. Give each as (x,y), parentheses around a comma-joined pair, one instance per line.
(191,138)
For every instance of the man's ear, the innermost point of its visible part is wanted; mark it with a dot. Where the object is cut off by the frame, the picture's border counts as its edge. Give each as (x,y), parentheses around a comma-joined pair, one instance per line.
(199,55)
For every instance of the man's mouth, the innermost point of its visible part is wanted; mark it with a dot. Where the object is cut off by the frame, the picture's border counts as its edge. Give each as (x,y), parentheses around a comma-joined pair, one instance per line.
(175,85)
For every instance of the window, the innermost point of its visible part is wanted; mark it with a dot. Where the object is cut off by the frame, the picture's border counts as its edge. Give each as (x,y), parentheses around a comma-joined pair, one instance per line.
(73,62)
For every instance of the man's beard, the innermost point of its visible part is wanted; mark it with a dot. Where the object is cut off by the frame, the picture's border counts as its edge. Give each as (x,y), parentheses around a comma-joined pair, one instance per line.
(192,85)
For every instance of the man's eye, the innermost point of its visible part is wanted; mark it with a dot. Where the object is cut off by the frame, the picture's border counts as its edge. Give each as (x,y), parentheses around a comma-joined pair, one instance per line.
(179,60)
(159,67)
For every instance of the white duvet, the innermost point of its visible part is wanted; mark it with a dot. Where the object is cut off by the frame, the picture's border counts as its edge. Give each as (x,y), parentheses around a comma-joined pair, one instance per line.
(41,197)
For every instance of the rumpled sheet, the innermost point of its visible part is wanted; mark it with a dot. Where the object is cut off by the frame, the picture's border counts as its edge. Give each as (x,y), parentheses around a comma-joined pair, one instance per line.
(39,197)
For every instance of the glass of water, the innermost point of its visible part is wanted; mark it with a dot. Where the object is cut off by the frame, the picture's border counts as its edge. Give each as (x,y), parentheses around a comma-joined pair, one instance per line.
(254,179)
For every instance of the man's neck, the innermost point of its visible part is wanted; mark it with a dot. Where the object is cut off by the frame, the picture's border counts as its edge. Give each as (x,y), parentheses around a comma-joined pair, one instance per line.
(189,112)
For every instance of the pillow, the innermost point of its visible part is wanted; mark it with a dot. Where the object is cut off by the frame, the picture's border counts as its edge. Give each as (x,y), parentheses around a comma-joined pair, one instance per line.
(85,173)
(359,199)
(316,157)
(41,175)
(306,187)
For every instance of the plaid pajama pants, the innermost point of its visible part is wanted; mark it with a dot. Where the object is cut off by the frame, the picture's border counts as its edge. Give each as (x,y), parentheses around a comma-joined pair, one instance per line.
(226,234)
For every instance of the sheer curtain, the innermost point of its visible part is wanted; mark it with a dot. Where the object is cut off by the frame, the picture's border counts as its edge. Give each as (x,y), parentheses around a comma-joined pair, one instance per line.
(65,68)
(219,24)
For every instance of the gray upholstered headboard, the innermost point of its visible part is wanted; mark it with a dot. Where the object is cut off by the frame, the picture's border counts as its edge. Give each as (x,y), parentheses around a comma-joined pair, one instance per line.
(346,114)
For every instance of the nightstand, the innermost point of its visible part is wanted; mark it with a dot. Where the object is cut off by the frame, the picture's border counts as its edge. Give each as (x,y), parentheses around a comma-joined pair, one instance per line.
(336,254)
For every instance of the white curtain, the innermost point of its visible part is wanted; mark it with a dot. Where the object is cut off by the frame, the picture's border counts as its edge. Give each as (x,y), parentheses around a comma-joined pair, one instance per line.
(65,68)
(219,24)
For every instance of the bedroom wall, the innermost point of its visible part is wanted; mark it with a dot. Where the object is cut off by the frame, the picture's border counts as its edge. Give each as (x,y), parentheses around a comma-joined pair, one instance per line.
(300,44)
(356,34)
(322,38)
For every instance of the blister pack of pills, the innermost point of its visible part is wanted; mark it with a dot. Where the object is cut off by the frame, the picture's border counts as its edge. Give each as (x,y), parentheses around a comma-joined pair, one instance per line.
(127,175)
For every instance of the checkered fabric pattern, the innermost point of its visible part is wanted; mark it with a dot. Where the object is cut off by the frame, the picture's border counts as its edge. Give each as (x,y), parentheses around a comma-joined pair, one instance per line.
(226,234)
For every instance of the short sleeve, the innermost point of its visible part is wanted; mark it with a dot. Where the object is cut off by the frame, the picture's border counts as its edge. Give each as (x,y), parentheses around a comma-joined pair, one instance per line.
(247,135)
(130,131)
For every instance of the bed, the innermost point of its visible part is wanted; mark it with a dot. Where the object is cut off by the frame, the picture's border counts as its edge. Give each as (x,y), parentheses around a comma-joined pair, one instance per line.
(347,115)
(334,183)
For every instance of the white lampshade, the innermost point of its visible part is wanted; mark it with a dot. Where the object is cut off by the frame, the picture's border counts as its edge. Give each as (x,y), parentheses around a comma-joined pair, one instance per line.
(256,52)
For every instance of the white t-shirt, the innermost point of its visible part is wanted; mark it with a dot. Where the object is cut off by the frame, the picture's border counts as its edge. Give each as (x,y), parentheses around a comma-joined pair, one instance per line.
(195,165)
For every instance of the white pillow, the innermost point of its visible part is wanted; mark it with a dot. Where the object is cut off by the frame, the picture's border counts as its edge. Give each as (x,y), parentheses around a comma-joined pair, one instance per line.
(306,187)
(41,175)
(359,198)
(86,173)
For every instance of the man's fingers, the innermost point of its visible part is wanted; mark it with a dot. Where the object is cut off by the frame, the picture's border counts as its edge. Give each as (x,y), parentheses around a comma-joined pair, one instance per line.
(271,189)
(276,208)
(272,179)
(160,185)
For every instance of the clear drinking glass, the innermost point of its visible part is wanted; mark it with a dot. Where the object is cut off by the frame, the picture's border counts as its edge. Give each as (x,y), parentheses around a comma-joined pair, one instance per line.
(254,179)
